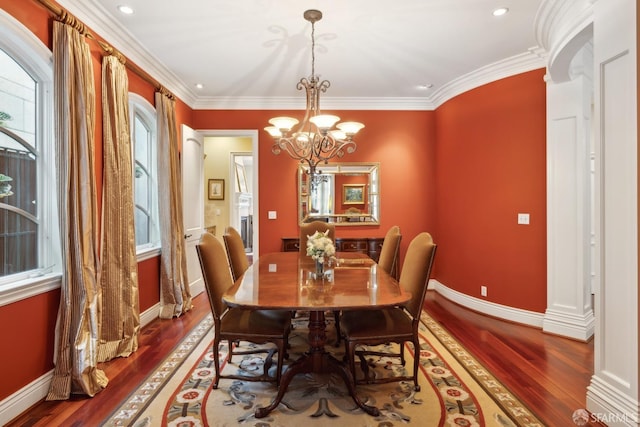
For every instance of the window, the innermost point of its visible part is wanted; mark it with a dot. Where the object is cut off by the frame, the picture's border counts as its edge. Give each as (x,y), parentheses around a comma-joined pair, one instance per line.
(29,241)
(143,139)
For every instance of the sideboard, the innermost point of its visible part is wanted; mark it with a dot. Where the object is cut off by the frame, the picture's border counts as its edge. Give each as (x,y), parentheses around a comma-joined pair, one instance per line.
(366,245)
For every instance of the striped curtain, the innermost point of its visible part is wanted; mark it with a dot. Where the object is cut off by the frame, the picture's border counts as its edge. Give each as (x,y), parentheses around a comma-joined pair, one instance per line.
(119,310)
(77,325)
(175,295)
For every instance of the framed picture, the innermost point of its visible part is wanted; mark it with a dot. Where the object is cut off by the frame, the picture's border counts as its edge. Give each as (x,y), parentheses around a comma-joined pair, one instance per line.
(216,189)
(353,194)
(242,178)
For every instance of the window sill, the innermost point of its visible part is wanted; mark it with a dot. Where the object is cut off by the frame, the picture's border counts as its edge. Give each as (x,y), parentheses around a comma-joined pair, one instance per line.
(27,288)
(148,253)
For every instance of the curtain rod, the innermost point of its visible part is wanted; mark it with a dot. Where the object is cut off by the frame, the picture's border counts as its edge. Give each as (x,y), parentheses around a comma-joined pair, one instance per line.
(64,16)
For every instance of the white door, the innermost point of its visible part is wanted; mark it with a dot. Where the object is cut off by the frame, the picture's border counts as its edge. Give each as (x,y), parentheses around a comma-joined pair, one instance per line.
(193,202)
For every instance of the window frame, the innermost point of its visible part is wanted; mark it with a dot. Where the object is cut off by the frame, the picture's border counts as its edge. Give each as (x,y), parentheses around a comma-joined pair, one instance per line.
(36,59)
(141,107)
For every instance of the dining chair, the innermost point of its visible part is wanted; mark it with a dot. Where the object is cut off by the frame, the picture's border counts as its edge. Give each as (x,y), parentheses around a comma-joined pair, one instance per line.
(388,261)
(235,324)
(307,229)
(392,325)
(390,251)
(238,261)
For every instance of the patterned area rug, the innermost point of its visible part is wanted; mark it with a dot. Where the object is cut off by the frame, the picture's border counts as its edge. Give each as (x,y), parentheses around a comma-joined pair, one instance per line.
(456,390)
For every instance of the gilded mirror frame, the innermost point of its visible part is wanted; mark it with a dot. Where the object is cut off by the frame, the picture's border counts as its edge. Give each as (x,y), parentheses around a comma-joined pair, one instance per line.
(344,194)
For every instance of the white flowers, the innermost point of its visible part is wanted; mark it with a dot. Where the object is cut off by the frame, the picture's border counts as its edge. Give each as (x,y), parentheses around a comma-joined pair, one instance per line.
(320,246)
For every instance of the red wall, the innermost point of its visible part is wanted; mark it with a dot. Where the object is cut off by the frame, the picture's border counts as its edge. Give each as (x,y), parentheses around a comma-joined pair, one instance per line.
(491,165)
(407,181)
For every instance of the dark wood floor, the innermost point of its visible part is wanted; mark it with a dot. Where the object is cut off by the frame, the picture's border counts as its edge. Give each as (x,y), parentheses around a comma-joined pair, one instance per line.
(548,373)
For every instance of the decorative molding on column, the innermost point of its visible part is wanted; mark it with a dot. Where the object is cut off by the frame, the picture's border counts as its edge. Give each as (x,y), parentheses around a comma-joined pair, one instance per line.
(577,326)
(609,405)
(562,27)
(615,389)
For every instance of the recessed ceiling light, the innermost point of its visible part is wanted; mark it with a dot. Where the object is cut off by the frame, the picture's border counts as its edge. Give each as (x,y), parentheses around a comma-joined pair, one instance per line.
(127,10)
(500,11)
(425,86)
(199,85)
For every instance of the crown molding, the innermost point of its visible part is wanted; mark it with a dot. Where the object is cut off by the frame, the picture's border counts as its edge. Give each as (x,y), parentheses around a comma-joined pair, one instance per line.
(533,59)
(298,103)
(96,17)
(562,27)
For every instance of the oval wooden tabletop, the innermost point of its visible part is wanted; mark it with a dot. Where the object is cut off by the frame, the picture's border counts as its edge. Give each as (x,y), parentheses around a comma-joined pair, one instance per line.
(286,280)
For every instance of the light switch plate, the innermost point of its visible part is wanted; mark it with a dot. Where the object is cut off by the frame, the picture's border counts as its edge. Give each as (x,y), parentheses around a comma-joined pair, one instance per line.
(273,215)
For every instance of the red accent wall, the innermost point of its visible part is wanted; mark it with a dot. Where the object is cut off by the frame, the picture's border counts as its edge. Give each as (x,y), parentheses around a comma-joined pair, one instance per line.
(402,141)
(491,165)
(28,334)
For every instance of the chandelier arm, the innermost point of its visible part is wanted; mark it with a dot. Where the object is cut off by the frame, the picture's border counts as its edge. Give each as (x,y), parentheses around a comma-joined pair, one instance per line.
(293,149)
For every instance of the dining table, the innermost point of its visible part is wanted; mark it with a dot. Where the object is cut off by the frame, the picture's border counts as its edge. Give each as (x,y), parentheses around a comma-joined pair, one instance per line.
(290,281)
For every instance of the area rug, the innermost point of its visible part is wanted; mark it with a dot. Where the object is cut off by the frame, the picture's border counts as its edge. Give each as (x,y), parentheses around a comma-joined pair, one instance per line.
(456,390)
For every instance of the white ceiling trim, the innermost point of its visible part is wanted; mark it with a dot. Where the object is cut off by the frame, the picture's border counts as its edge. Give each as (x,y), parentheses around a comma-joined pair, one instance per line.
(93,15)
(298,103)
(535,58)
(96,18)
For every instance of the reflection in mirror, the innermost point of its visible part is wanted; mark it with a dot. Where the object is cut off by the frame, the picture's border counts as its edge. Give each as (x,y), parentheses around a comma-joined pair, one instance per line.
(340,193)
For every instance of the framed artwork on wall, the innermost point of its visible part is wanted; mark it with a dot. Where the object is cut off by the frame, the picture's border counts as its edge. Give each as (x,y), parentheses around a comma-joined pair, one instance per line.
(353,194)
(216,189)
(242,178)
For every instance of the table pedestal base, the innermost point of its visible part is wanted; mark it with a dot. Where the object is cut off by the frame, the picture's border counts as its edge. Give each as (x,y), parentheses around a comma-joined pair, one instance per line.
(317,360)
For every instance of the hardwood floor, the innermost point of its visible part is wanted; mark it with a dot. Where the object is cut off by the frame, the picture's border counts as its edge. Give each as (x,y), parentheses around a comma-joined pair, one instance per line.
(548,373)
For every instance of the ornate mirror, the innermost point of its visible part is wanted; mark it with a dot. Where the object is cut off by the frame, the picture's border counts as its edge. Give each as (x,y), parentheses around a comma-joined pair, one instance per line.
(340,193)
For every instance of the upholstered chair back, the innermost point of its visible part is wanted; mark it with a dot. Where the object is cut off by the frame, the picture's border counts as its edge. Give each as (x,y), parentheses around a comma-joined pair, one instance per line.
(390,251)
(215,271)
(416,270)
(238,260)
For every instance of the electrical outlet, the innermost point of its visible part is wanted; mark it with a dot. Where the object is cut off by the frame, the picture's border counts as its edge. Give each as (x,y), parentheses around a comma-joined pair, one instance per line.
(523,218)
(483,291)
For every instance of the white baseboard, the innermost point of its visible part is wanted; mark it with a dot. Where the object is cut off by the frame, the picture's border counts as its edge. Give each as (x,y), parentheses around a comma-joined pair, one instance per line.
(24,398)
(578,327)
(37,390)
(526,317)
(611,407)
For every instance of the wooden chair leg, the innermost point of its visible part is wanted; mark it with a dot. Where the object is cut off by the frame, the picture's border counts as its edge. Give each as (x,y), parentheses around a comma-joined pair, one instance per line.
(416,363)
(216,361)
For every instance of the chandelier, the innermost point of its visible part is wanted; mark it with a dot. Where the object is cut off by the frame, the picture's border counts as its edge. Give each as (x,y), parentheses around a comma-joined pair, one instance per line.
(314,139)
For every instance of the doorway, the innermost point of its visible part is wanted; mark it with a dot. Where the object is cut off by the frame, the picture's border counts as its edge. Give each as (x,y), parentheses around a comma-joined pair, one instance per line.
(231,157)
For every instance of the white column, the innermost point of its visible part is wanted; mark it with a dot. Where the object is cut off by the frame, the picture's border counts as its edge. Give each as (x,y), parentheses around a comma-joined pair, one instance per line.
(569,310)
(613,392)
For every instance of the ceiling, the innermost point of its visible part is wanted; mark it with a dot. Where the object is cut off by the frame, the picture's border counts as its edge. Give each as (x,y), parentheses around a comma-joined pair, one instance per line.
(408,54)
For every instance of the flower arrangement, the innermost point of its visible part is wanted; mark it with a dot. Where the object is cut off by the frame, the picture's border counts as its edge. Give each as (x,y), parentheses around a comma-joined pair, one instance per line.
(320,247)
